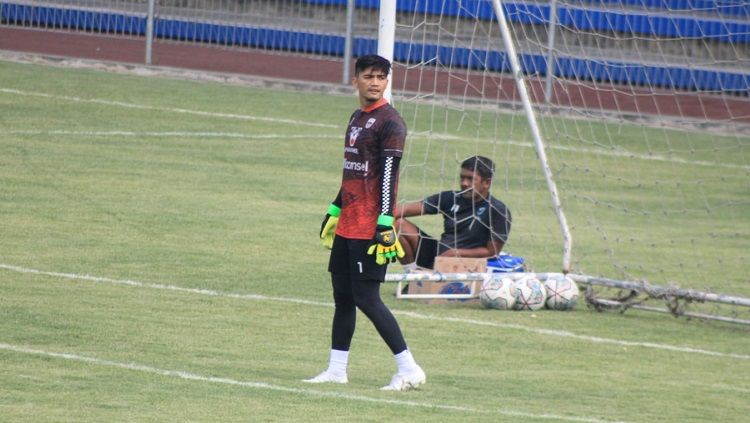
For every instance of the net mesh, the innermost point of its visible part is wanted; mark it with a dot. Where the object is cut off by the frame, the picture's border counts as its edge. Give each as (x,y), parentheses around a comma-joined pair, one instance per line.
(642,105)
(645,129)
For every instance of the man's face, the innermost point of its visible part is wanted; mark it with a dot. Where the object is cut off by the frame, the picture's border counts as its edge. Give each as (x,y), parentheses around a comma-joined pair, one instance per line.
(370,84)
(473,187)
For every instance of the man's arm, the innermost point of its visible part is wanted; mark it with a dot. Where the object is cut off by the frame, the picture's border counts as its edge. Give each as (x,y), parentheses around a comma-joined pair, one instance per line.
(493,247)
(414,208)
(330,221)
(387,247)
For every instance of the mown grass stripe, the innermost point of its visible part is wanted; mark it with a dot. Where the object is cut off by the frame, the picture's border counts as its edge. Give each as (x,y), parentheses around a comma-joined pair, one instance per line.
(270,387)
(259,297)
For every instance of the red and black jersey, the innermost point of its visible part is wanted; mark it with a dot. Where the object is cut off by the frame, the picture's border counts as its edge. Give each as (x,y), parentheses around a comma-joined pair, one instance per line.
(373,135)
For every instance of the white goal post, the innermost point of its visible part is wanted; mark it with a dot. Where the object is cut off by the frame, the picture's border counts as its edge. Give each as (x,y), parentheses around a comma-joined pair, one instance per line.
(515,67)
(386,40)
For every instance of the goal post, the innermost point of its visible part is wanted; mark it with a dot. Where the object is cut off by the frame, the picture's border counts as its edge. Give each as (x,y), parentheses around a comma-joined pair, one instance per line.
(387,36)
(386,40)
(515,67)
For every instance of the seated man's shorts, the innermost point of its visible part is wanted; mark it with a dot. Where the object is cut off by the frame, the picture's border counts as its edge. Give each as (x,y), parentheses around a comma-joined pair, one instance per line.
(427,250)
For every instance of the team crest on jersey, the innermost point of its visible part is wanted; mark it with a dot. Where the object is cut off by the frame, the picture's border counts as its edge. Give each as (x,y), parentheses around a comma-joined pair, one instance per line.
(353,134)
(481,210)
(369,123)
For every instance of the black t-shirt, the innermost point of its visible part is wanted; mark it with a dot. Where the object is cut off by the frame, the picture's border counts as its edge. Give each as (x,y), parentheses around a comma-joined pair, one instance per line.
(467,224)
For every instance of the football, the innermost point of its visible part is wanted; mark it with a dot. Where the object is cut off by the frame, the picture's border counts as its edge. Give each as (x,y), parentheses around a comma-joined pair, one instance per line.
(530,294)
(497,292)
(562,293)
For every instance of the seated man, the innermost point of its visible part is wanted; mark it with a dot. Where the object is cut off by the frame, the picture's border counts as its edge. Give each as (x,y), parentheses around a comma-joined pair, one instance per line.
(475,224)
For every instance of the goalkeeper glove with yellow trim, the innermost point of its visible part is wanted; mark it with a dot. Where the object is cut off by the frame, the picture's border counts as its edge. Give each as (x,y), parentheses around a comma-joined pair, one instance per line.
(387,246)
(328,227)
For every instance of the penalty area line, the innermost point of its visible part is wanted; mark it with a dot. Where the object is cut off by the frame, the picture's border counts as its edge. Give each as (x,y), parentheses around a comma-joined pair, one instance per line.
(170,134)
(138,284)
(279,388)
(414,315)
(588,338)
(126,105)
(618,153)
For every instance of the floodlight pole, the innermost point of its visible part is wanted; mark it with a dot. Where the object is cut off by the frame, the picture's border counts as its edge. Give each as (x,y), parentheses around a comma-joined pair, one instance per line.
(387,37)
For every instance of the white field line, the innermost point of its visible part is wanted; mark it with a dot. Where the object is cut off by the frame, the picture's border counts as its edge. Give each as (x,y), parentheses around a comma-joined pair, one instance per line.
(269,387)
(601,152)
(711,386)
(163,109)
(620,153)
(473,322)
(172,134)
(610,153)
(592,339)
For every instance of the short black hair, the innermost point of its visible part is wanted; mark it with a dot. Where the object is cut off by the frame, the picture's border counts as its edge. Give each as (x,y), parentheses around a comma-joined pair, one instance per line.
(484,166)
(372,61)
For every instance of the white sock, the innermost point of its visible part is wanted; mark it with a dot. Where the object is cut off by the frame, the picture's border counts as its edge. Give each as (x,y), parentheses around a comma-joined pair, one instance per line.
(410,267)
(338,362)
(405,362)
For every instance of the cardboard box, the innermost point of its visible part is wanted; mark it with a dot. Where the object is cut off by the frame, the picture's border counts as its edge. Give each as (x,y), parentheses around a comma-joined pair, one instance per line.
(451,265)
(460,265)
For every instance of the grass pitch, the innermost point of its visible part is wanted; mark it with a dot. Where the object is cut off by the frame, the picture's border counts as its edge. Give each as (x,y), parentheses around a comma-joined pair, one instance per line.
(159,261)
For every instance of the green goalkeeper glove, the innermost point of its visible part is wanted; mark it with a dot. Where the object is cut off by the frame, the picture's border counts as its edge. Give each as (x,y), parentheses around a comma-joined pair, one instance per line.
(328,227)
(387,246)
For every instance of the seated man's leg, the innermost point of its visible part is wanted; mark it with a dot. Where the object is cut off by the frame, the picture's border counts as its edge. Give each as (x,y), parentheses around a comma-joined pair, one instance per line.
(408,236)
(420,249)
(426,251)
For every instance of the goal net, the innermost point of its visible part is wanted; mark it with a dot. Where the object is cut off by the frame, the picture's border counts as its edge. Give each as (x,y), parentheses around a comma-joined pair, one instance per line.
(643,110)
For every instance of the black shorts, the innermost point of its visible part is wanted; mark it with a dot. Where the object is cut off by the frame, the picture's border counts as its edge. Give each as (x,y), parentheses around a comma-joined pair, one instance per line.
(349,257)
(427,250)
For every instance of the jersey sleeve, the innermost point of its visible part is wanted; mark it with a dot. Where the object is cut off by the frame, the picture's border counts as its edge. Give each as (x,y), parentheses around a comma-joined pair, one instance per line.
(392,140)
(337,200)
(394,137)
(436,203)
(389,174)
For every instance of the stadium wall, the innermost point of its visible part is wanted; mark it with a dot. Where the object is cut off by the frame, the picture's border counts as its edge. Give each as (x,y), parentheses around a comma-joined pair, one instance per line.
(676,77)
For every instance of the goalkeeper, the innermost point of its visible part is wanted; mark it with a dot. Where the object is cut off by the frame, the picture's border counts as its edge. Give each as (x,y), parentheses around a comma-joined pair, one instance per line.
(475,224)
(359,227)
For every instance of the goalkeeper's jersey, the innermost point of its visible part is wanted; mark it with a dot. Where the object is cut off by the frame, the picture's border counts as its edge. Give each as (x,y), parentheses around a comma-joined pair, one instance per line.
(373,133)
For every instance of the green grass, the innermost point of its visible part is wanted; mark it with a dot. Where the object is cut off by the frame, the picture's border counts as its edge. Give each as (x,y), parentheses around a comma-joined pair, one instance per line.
(183,278)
